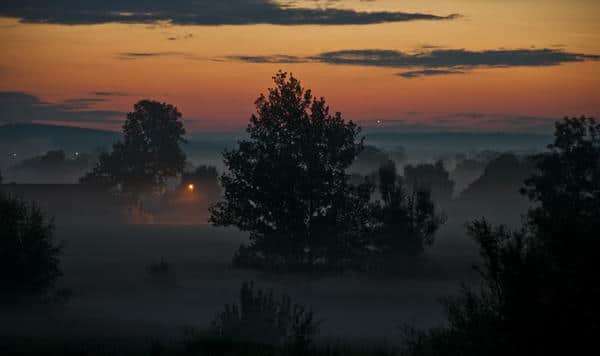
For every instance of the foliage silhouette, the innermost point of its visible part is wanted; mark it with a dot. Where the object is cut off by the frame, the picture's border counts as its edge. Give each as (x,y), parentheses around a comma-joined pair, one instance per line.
(29,255)
(539,292)
(52,166)
(149,154)
(369,159)
(504,174)
(262,319)
(432,177)
(404,223)
(287,184)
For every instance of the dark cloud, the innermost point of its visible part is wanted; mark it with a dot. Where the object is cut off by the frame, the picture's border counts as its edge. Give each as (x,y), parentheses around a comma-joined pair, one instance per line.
(270,59)
(428,73)
(19,107)
(177,37)
(453,58)
(435,62)
(194,12)
(141,55)
(110,93)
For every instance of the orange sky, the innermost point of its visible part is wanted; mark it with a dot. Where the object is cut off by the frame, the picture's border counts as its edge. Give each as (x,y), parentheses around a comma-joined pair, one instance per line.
(191,68)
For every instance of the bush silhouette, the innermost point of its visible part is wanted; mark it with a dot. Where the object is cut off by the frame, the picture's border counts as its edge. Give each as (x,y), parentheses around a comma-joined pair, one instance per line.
(29,256)
(262,319)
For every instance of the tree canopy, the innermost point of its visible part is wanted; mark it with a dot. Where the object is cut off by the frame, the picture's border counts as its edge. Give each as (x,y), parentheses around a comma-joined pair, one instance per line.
(149,153)
(287,184)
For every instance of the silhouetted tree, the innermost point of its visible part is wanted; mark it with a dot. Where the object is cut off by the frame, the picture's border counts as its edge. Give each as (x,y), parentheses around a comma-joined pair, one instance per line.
(52,166)
(432,177)
(28,253)
(404,222)
(540,287)
(503,175)
(149,154)
(369,159)
(287,185)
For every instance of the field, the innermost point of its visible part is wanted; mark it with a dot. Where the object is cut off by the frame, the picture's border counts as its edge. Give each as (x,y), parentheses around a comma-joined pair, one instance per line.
(114,296)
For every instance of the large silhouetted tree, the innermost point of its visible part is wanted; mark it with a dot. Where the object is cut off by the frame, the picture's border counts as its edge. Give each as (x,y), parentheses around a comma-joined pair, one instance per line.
(287,184)
(28,253)
(540,287)
(149,154)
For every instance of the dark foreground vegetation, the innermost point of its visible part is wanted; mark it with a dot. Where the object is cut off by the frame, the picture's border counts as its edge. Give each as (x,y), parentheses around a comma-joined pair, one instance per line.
(288,186)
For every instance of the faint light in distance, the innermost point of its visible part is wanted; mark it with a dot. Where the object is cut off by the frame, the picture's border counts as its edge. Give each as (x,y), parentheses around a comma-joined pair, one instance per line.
(191,187)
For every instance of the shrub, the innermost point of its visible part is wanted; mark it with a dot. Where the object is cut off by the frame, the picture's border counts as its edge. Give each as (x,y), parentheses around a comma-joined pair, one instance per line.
(28,253)
(263,319)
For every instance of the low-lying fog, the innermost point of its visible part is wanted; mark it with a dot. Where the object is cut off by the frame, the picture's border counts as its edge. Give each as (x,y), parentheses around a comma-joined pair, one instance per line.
(109,247)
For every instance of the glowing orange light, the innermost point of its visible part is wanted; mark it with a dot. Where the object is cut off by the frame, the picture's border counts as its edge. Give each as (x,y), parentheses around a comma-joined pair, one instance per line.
(191,187)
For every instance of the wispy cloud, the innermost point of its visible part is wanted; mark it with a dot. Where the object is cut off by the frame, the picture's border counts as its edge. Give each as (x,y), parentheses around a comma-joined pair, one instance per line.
(193,12)
(109,93)
(142,55)
(428,73)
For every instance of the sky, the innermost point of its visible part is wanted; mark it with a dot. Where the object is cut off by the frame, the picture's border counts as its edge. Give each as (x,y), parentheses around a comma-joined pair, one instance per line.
(462,65)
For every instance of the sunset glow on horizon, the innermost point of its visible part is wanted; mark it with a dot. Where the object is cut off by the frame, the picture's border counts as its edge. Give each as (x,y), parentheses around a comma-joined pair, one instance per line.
(494,64)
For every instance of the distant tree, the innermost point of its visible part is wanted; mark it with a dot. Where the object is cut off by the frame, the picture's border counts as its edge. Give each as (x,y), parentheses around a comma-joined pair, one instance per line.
(398,154)
(29,260)
(369,159)
(149,154)
(432,177)
(540,291)
(466,171)
(502,176)
(287,185)
(405,221)
(53,166)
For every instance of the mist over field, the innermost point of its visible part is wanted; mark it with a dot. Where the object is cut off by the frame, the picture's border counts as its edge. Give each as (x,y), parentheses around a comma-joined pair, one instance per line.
(109,245)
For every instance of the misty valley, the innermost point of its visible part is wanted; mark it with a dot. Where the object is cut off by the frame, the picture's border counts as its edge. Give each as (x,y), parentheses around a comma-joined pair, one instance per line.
(304,235)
